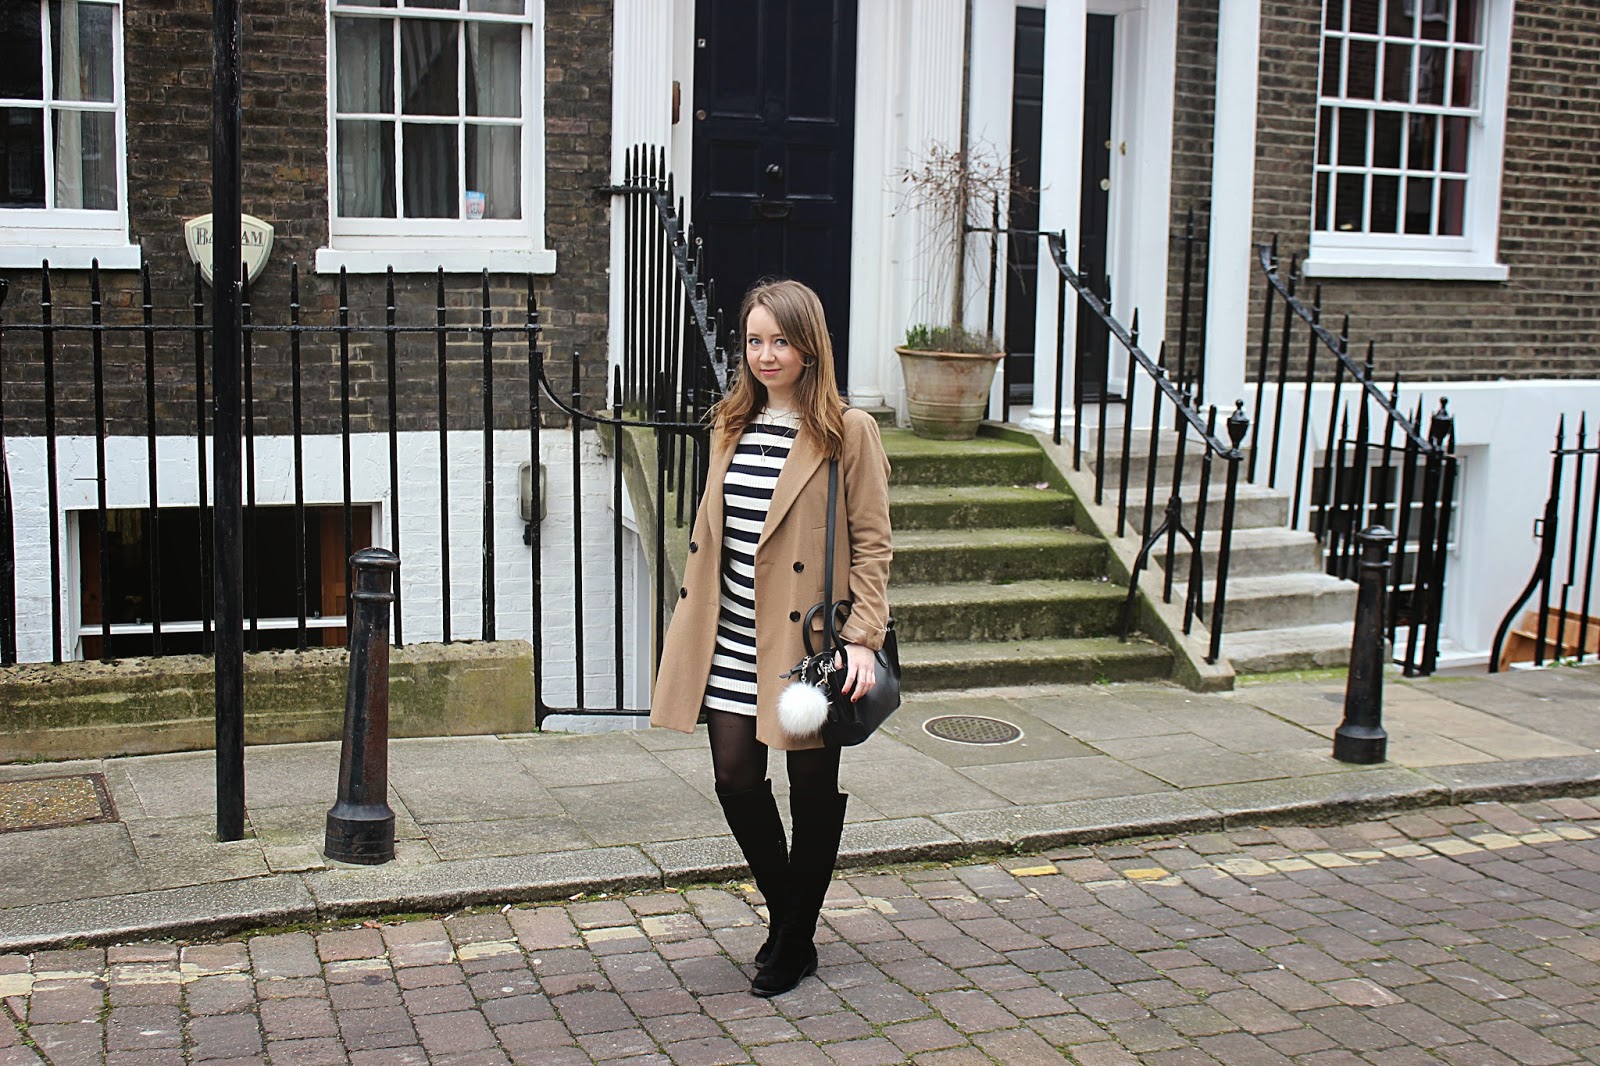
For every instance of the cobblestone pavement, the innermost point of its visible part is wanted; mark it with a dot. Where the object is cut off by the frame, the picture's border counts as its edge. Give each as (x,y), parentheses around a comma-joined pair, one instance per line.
(1463,935)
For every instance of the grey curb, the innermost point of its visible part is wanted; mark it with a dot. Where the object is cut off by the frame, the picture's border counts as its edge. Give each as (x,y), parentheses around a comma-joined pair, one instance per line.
(281,899)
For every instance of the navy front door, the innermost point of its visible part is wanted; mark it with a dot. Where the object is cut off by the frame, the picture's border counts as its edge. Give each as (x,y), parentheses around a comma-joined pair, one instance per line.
(774,125)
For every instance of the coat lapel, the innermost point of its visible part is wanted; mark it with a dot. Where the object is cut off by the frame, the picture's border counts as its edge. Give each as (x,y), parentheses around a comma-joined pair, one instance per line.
(803,461)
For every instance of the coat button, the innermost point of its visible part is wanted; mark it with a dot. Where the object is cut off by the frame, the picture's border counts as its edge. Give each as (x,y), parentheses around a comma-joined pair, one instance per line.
(799,567)
(683,594)
(693,547)
(794,616)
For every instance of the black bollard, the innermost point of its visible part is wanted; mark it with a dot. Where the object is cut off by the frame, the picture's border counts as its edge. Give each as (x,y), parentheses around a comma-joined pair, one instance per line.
(1361,737)
(360,823)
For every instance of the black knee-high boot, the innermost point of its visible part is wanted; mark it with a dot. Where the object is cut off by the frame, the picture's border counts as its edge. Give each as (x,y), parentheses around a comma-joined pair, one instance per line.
(818,823)
(753,817)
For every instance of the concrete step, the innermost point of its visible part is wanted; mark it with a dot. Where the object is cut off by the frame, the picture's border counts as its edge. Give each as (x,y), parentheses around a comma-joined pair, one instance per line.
(933,556)
(1278,601)
(981,461)
(1166,454)
(1021,610)
(1256,553)
(913,507)
(936,666)
(1255,507)
(1293,648)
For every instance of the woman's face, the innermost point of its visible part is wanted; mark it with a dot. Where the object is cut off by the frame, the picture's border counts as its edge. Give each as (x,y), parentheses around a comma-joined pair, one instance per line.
(771,358)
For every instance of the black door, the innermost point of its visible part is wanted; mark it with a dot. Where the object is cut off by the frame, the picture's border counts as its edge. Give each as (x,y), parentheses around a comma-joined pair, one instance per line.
(1022,253)
(1094,340)
(774,115)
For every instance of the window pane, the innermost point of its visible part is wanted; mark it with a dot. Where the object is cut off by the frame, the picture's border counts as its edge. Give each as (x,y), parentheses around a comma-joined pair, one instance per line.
(432,181)
(1456,132)
(1430,75)
(1435,24)
(494,168)
(494,71)
(1361,72)
(1397,73)
(1387,127)
(21,52)
(1401,19)
(1423,129)
(81,45)
(1466,20)
(1332,57)
(1353,138)
(428,67)
(21,157)
(1419,206)
(364,65)
(1325,134)
(1364,16)
(499,7)
(443,5)
(366,169)
(1349,201)
(1452,207)
(1461,90)
(363,3)
(1319,218)
(1333,14)
(1385,204)
(86,160)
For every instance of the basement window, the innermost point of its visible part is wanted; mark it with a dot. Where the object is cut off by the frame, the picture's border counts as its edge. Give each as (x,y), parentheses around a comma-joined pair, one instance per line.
(273,581)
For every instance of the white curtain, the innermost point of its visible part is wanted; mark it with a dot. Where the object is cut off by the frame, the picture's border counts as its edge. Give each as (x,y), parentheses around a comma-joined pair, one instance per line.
(494,87)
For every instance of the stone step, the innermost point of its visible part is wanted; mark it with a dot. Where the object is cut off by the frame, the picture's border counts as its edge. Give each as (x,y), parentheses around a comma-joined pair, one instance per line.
(1292,648)
(1021,610)
(1166,454)
(937,666)
(932,556)
(914,507)
(1278,601)
(1256,552)
(1255,507)
(980,461)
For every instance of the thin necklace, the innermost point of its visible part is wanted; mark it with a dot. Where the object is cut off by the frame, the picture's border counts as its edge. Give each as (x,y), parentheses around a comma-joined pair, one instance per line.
(771,417)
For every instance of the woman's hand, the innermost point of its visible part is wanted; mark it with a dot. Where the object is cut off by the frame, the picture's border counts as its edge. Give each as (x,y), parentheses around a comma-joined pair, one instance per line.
(861,672)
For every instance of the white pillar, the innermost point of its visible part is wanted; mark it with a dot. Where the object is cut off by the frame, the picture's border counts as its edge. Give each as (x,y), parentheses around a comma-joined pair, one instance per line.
(1061,170)
(1233,187)
(909,57)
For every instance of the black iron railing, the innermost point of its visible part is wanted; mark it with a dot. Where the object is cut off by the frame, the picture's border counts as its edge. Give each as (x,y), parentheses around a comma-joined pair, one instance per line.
(60,333)
(1564,577)
(1401,475)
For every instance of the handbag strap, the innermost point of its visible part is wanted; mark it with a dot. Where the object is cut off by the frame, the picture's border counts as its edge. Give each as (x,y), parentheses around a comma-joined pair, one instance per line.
(832,639)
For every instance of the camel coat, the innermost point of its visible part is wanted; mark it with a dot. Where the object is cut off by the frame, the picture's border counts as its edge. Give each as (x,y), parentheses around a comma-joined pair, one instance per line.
(789,575)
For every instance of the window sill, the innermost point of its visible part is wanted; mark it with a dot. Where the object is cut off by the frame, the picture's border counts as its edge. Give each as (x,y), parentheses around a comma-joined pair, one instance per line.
(1326,266)
(71,256)
(461,261)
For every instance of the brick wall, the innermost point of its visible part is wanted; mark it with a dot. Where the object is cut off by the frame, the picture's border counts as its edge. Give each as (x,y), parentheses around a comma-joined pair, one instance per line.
(168,87)
(1542,322)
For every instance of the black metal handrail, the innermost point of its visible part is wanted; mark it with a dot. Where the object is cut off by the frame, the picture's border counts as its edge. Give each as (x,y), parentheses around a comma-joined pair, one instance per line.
(1169,402)
(1567,640)
(1346,492)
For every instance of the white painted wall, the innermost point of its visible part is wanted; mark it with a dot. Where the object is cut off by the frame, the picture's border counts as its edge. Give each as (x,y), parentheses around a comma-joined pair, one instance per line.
(1504,433)
(422,562)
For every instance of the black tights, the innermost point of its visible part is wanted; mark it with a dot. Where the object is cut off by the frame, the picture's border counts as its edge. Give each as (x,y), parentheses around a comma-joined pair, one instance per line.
(739,760)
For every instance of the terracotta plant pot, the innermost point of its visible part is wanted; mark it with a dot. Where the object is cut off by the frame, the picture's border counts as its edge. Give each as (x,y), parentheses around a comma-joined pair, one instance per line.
(946,392)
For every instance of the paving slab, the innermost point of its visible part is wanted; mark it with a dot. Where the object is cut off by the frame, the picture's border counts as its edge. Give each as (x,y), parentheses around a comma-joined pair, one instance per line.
(526,817)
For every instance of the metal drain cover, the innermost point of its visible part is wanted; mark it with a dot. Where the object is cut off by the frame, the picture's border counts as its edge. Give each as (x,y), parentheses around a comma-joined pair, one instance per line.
(971,729)
(52,802)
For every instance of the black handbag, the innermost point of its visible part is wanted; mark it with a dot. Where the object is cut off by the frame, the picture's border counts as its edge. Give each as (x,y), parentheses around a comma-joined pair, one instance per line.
(849,721)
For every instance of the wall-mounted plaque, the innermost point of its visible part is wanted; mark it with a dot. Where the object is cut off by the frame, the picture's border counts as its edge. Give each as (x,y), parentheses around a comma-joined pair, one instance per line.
(255,244)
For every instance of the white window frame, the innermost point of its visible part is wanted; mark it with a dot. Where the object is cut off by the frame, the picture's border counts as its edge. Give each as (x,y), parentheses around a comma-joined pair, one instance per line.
(69,238)
(373,245)
(1473,256)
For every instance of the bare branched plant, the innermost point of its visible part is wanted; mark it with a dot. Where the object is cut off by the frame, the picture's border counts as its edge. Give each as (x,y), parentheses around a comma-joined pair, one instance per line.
(947,187)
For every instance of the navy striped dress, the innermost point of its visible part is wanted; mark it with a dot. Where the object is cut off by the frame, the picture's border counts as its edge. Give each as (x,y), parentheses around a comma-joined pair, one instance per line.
(746,496)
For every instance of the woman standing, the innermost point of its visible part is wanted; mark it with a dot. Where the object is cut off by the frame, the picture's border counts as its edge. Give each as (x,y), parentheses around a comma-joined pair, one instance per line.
(755,570)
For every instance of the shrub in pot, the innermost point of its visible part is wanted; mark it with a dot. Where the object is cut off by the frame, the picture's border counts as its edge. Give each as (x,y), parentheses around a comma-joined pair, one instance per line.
(948,372)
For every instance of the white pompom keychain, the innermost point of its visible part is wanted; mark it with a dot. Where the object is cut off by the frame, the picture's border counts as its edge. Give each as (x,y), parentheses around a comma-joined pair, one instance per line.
(803,705)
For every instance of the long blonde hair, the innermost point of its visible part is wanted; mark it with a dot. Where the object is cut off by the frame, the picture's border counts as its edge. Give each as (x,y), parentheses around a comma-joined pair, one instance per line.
(798,312)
